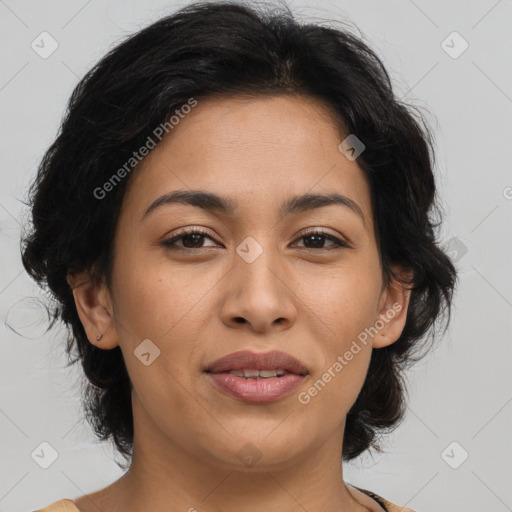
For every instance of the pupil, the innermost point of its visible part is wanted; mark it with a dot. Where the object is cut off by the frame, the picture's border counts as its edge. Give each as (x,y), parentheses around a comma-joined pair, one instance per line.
(318,238)
(197,236)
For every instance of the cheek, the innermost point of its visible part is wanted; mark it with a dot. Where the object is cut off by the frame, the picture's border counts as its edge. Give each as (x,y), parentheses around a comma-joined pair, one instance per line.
(155,305)
(334,388)
(347,311)
(346,301)
(153,295)
(340,317)
(159,302)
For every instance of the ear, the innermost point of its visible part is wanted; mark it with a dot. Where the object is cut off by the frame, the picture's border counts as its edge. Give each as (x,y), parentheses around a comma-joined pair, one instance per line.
(393,307)
(94,308)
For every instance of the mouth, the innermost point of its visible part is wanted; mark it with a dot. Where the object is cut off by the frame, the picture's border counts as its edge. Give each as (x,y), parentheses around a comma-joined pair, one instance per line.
(258,374)
(253,365)
(254,378)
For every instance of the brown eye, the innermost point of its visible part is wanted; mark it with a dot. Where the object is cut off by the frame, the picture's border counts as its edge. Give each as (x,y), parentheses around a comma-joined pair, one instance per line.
(190,239)
(318,237)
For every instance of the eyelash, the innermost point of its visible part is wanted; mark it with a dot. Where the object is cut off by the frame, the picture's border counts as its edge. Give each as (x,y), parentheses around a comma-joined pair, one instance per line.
(170,243)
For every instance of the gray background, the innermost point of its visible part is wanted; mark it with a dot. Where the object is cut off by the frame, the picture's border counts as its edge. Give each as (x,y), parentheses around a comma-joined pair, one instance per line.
(461,393)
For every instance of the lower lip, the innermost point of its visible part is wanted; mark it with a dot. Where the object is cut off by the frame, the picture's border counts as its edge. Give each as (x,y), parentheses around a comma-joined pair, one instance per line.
(253,390)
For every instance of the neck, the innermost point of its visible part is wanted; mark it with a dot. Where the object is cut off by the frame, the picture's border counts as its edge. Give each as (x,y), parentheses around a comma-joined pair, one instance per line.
(163,474)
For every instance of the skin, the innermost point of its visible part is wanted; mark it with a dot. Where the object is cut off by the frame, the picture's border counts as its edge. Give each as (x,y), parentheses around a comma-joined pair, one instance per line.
(258,152)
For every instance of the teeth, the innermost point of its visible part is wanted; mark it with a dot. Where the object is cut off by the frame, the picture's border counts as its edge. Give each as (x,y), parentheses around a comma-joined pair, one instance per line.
(251,374)
(268,373)
(257,374)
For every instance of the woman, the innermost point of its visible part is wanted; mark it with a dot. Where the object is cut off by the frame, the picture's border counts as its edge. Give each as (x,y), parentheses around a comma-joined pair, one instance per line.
(235,222)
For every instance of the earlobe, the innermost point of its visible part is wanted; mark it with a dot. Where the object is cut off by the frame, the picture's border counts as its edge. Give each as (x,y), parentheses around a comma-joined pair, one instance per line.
(393,312)
(94,309)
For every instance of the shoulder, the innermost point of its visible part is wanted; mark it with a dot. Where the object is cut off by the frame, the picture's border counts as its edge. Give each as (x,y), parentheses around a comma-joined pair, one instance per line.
(64,505)
(383,502)
(391,507)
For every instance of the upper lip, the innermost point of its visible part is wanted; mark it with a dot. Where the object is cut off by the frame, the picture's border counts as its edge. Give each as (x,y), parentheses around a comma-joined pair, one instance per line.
(245,359)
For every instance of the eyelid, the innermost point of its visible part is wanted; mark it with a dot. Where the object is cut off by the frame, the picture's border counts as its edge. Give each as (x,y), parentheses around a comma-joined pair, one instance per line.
(188,231)
(321,231)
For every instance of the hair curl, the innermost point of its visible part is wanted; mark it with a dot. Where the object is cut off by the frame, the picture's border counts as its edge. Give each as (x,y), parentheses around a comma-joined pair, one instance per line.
(220,49)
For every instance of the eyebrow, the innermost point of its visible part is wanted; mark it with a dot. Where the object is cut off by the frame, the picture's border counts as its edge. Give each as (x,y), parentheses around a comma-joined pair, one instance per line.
(214,203)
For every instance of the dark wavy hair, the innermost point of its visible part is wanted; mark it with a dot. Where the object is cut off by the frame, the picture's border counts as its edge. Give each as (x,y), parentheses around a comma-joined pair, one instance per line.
(228,49)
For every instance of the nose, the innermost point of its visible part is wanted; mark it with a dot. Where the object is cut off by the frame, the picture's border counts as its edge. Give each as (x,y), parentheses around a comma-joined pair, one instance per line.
(259,295)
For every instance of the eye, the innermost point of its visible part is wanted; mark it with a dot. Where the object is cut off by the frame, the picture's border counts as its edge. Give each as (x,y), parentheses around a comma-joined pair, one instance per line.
(189,237)
(192,238)
(318,236)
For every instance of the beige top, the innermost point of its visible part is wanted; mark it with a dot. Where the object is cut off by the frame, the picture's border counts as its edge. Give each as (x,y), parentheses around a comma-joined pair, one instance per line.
(66,505)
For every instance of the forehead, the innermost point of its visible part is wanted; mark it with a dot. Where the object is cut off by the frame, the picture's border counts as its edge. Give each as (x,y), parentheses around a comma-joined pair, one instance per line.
(258,152)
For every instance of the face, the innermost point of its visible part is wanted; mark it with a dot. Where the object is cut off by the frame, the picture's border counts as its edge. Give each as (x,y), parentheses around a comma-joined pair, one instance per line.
(254,278)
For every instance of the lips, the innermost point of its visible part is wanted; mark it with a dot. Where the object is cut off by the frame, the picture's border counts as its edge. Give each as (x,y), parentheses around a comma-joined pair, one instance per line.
(247,360)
